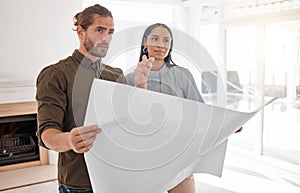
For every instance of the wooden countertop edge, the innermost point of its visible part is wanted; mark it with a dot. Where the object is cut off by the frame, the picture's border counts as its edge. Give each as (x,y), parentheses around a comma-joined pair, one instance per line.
(20,108)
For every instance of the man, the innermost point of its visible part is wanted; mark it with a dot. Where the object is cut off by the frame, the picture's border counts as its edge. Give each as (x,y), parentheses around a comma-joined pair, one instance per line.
(62,95)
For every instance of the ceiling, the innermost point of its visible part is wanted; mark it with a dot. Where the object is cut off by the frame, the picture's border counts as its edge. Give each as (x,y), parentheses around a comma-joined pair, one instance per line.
(211,9)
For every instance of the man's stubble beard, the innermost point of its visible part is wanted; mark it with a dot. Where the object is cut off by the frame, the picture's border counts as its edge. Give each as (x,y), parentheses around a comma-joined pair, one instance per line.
(92,49)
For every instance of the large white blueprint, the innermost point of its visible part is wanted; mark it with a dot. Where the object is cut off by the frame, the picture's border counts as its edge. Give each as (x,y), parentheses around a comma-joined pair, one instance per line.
(152,141)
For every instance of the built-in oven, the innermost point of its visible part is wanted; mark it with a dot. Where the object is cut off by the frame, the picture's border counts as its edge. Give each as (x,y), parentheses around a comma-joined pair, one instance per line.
(18,141)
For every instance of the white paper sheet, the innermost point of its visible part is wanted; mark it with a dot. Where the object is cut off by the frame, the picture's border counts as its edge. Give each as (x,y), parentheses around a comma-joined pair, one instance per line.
(151,141)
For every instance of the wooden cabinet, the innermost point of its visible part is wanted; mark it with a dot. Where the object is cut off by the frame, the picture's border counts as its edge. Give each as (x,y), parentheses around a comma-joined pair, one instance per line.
(13,111)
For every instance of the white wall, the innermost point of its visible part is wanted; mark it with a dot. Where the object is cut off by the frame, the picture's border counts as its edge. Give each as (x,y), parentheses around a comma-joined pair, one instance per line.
(34,34)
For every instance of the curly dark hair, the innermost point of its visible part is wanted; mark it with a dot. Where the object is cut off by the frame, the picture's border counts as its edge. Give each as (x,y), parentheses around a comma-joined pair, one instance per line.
(86,17)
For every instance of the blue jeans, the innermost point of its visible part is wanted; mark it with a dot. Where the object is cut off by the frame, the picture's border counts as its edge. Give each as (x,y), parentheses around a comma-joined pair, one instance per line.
(65,189)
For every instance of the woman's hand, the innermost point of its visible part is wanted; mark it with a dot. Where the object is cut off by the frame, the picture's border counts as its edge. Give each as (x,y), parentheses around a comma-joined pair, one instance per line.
(142,71)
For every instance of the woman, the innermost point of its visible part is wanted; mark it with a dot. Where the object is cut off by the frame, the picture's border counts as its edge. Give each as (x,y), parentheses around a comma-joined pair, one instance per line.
(157,72)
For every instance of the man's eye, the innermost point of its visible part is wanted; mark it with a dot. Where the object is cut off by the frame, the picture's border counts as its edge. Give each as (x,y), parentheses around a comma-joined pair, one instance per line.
(99,30)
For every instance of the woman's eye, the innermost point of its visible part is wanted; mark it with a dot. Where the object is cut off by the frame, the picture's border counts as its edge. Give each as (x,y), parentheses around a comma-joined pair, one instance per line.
(154,39)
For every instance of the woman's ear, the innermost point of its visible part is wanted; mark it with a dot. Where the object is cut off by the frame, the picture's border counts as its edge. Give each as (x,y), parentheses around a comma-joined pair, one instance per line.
(145,43)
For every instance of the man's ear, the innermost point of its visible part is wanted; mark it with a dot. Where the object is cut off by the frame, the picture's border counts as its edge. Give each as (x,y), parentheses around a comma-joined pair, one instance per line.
(80,32)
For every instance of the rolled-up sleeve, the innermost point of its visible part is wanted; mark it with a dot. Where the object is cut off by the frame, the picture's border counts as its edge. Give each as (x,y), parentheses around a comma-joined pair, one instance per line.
(51,99)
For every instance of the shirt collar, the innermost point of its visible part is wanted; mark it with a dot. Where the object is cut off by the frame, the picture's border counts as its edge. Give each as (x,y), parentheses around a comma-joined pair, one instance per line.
(162,70)
(85,61)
